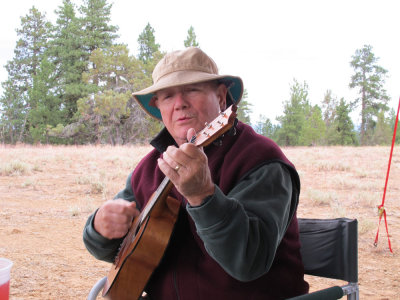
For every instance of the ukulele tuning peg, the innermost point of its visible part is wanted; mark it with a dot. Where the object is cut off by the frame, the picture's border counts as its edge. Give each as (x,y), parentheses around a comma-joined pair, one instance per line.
(208,126)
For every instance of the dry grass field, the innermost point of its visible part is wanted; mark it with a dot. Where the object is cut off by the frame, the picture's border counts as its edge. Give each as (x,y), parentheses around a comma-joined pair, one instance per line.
(46,194)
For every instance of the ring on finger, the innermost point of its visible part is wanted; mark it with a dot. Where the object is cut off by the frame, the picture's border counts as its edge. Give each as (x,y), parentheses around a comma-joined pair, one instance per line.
(177,168)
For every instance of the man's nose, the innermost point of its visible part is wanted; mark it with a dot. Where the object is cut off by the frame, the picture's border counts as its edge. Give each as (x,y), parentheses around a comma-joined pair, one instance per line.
(181,100)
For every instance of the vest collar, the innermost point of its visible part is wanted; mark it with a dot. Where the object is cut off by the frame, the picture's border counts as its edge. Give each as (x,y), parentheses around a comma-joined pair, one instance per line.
(162,140)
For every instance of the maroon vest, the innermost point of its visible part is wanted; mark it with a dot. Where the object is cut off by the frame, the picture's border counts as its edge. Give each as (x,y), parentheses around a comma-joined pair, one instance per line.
(186,269)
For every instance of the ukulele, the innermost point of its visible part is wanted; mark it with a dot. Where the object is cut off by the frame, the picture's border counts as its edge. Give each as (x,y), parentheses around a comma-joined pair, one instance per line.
(148,237)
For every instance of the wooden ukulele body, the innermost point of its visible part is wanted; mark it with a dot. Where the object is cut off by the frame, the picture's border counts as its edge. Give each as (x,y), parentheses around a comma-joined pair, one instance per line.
(127,279)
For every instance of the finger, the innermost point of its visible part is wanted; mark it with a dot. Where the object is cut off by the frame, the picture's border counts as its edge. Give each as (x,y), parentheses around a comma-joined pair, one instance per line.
(169,160)
(111,225)
(131,210)
(166,168)
(111,219)
(116,212)
(190,134)
(191,151)
(176,157)
(115,230)
(121,206)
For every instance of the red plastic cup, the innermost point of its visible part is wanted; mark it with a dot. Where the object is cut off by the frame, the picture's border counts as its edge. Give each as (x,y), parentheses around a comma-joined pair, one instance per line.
(5,267)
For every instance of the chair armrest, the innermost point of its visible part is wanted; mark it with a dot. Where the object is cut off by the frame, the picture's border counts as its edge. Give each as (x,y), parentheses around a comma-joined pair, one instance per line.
(96,289)
(332,293)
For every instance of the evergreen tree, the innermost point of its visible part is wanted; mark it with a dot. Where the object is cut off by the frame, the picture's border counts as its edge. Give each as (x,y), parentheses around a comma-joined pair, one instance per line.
(329,107)
(70,58)
(392,121)
(111,115)
(104,112)
(13,113)
(98,33)
(382,134)
(191,39)
(265,127)
(147,45)
(314,127)
(34,36)
(45,111)
(342,130)
(294,115)
(75,39)
(369,78)
(32,43)
(115,68)
(149,55)
(244,109)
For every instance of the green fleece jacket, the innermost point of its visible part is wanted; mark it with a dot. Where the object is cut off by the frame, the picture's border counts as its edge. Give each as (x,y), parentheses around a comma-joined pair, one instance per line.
(271,181)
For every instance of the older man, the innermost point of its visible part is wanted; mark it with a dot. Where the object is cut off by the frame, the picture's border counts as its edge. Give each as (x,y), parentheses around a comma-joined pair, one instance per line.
(236,236)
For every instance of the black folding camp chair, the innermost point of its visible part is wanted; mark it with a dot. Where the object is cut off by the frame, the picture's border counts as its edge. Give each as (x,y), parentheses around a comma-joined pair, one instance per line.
(329,249)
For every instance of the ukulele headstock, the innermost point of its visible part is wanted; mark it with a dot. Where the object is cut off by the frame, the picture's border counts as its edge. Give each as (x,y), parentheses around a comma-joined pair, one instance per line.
(217,127)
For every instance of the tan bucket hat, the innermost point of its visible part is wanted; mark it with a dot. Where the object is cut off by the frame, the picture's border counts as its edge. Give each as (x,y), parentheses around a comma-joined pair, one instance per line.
(183,67)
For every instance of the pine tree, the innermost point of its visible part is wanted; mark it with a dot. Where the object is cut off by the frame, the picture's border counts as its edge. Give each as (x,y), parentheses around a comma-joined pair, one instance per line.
(98,33)
(369,78)
(28,53)
(104,112)
(70,58)
(328,108)
(111,115)
(329,105)
(265,127)
(147,45)
(75,39)
(45,111)
(382,134)
(294,115)
(313,131)
(244,109)
(342,130)
(149,55)
(392,121)
(14,113)
(191,39)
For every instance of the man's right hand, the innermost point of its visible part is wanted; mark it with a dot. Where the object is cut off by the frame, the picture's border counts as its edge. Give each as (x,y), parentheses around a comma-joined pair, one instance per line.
(114,218)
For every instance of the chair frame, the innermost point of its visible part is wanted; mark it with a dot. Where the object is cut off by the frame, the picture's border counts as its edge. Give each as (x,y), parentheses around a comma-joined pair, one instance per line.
(96,288)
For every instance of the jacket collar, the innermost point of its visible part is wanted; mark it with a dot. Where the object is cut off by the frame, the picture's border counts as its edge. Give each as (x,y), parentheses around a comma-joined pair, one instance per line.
(162,140)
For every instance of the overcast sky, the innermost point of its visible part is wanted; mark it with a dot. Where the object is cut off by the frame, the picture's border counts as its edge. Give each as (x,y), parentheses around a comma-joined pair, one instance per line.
(267,43)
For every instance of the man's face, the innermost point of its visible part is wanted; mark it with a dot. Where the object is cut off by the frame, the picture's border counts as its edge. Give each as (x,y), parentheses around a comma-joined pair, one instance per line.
(190,106)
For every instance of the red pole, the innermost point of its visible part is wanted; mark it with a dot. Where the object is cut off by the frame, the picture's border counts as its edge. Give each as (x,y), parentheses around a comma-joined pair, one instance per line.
(381,207)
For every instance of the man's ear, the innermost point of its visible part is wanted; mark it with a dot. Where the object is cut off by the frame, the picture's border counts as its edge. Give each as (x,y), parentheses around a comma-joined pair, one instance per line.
(154,102)
(222,91)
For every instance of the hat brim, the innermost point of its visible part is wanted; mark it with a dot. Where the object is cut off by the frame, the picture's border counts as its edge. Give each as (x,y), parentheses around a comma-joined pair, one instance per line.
(179,78)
